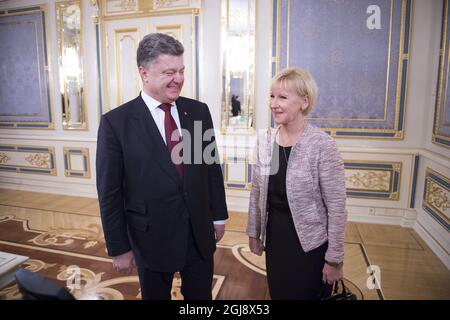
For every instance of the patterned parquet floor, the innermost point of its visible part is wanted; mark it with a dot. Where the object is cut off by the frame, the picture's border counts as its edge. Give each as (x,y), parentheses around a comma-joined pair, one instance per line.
(62,237)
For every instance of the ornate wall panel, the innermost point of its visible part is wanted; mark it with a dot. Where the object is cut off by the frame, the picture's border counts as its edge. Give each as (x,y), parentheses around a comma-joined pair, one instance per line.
(170,4)
(441,128)
(373,179)
(27,159)
(436,197)
(127,81)
(358,52)
(133,7)
(237,172)
(76,162)
(120,7)
(24,75)
(376,180)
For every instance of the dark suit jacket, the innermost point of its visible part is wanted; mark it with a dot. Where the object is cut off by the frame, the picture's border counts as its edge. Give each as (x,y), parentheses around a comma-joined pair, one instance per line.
(145,205)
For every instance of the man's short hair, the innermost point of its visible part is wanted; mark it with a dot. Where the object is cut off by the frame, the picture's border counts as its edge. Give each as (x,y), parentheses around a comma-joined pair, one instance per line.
(155,44)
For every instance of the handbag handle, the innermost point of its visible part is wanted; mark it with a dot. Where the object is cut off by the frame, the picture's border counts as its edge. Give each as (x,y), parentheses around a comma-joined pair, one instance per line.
(336,287)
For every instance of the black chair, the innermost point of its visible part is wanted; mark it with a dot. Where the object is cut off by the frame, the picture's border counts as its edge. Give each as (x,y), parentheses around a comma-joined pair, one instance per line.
(33,286)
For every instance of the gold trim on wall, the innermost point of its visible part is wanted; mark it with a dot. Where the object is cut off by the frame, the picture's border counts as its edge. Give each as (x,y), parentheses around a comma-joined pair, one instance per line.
(67,121)
(36,125)
(436,196)
(227,159)
(249,86)
(145,8)
(40,159)
(75,173)
(387,77)
(373,177)
(117,58)
(396,133)
(443,55)
(166,28)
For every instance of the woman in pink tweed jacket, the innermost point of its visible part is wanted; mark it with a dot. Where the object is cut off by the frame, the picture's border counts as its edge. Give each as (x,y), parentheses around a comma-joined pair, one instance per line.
(297,203)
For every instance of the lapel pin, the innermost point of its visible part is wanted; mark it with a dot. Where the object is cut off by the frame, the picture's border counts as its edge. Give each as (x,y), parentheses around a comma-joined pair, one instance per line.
(185,113)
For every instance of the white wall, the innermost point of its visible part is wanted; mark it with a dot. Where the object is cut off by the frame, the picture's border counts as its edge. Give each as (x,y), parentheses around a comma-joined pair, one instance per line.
(422,98)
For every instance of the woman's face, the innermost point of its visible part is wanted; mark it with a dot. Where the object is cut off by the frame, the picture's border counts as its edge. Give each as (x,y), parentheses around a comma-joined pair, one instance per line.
(286,105)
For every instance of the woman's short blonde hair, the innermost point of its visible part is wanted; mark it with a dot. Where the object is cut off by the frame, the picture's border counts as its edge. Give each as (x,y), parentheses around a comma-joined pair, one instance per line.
(299,80)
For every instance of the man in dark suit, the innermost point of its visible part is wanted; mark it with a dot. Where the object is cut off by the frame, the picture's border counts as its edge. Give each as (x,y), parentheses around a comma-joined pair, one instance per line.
(160,186)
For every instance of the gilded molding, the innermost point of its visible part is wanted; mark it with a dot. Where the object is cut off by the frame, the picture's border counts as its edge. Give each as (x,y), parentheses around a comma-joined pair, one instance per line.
(361,125)
(95,11)
(69,169)
(440,134)
(34,17)
(373,179)
(436,197)
(41,160)
(244,184)
(28,159)
(163,3)
(370,180)
(4,158)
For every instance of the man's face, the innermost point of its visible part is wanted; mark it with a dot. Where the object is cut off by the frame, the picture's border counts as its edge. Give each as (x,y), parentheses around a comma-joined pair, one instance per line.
(163,79)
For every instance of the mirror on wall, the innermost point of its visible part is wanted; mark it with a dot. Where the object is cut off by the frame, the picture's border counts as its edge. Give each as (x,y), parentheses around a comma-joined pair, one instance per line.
(238,66)
(69,37)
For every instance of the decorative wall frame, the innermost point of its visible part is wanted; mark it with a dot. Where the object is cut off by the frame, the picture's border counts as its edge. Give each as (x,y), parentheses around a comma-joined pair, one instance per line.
(436,197)
(237,172)
(28,159)
(441,126)
(76,162)
(238,57)
(358,52)
(373,179)
(69,24)
(25,100)
(133,7)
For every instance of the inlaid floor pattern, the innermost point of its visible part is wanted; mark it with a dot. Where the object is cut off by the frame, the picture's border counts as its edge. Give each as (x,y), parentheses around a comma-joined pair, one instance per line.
(62,235)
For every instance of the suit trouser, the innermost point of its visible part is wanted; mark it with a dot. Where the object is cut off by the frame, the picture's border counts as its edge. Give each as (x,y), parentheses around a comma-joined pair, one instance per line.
(196,277)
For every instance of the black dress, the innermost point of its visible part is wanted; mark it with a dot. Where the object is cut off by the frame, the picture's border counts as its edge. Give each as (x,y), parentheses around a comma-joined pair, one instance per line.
(291,273)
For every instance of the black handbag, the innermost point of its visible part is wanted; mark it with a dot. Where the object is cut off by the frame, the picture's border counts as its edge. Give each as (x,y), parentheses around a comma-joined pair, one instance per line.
(340,292)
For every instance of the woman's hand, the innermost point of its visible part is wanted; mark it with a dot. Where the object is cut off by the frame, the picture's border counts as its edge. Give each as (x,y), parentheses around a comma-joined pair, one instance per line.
(256,246)
(332,274)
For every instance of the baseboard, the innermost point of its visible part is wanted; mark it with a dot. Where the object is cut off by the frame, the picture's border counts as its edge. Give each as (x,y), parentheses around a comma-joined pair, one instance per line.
(394,221)
(404,218)
(433,244)
(54,187)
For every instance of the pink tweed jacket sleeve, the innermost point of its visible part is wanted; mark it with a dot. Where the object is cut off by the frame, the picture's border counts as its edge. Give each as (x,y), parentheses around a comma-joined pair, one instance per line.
(315,186)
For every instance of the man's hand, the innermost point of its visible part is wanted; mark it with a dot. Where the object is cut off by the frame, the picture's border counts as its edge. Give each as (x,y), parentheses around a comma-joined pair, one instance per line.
(220,231)
(256,246)
(124,263)
(331,274)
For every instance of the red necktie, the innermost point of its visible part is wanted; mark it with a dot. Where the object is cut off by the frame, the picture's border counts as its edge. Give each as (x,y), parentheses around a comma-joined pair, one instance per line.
(173,136)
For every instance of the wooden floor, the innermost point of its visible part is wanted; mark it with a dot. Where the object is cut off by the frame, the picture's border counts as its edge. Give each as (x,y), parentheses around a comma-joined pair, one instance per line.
(60,232)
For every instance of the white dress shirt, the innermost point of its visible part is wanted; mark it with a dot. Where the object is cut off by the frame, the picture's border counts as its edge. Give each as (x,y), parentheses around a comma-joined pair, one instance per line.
(158,116)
